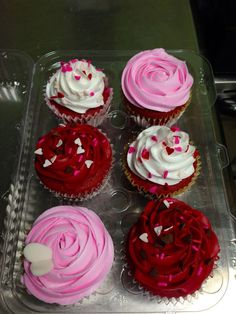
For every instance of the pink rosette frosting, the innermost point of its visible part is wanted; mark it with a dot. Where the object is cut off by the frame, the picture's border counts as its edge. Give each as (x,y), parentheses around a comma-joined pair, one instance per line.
(82,252)
(155,80)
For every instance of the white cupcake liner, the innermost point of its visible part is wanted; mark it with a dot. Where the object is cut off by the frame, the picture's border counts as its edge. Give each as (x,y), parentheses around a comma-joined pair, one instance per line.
(89,194)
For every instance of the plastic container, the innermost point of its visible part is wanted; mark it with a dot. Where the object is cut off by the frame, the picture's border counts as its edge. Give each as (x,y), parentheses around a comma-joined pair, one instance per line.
(119,204)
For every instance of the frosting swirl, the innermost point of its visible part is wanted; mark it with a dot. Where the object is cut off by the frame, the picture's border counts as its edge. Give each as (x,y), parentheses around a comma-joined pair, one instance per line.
(82,254)
(172,248)
(73,159)
(162,155)
(77,85)
(155,80)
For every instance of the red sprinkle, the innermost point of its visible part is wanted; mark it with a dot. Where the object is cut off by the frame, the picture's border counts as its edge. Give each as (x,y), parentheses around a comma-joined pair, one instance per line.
(91,94)
(165,174)
(84,72)
(149,175)
(175,128)
(89,62)
(154,138)
(131,150)
(164,143)
(90,76)
(74,60)
(169,150)
(145,154)
(99,70)
(187,148)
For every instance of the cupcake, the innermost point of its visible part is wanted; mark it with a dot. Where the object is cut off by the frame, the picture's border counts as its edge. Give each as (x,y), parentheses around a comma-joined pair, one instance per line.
(161,161)
(172,249)
(78,92)
(67,256)
(73,160)
(157,87)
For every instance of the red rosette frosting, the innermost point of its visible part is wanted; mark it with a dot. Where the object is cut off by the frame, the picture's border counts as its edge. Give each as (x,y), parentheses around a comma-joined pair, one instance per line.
(172,248)
(73,160)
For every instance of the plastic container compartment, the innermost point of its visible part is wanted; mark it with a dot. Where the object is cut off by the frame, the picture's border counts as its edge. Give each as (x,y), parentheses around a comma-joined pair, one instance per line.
(118,204)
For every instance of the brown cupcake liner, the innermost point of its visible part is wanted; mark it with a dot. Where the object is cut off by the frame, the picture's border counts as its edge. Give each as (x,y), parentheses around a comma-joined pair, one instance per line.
(150,195)
(167,120)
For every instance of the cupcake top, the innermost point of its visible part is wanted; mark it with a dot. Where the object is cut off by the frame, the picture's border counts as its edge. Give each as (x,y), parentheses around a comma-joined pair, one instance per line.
(162,155)
(81,254)
(73,159)
(77,85)
(155,80)
(172,248)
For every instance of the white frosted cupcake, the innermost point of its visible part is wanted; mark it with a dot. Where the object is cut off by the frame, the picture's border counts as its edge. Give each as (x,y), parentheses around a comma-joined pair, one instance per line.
(78,92)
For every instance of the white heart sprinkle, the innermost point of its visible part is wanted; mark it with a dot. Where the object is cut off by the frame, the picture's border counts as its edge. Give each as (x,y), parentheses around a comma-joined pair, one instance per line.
(144,237)
(158,230)
(53,159)
(59,143)
(41,268)
(80,150)
(167,204)
(36,252)
(39,151)
(88,163)
(78,141)
(47,163)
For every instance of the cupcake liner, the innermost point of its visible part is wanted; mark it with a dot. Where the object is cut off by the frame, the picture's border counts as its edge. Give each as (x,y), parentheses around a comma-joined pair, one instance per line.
(94,119)
(149,296)
(89,194)
(150,195)
(168,120)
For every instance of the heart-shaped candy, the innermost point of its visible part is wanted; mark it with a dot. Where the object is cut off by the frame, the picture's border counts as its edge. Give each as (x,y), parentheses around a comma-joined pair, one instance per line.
(88,163)
(144,237)
(158,230)
(169,150)
(47,163)
(80,150)
(78,141)
(39,151)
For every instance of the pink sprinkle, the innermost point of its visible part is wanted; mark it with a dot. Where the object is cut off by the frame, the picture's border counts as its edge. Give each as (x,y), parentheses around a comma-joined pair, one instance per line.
(174,128)
(99,70)
(73,60)
(76,172)
(178,149)
(89,62)
(149,175)
(195,248)
(165,174)
(199,270)
(162,284)
(80,158)
(162,256)
(77,77)
(131,150)
(70,150)
(176,137)
(62,63)
(154,138)
(91,94)
(153,189)
(170,277)
(95,142)
(66,68)
(41,140)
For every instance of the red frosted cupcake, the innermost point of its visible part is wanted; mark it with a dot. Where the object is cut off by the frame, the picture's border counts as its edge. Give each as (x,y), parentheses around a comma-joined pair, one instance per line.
(78,92)
(157,87)
(172,248)
(162,162)
(73,160)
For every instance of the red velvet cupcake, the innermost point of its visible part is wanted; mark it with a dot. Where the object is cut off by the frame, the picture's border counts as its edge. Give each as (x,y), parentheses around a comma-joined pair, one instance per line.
(78,92)
(172,248)
(162,162)
(73,160)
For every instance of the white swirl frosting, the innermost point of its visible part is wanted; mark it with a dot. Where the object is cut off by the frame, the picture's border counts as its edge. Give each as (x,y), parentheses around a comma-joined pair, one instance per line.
(162,155)
(77,85)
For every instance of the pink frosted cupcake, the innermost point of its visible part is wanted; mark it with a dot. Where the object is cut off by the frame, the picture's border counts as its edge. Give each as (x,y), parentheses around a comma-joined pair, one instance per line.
(68,254)
(79,92)
(157,87)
